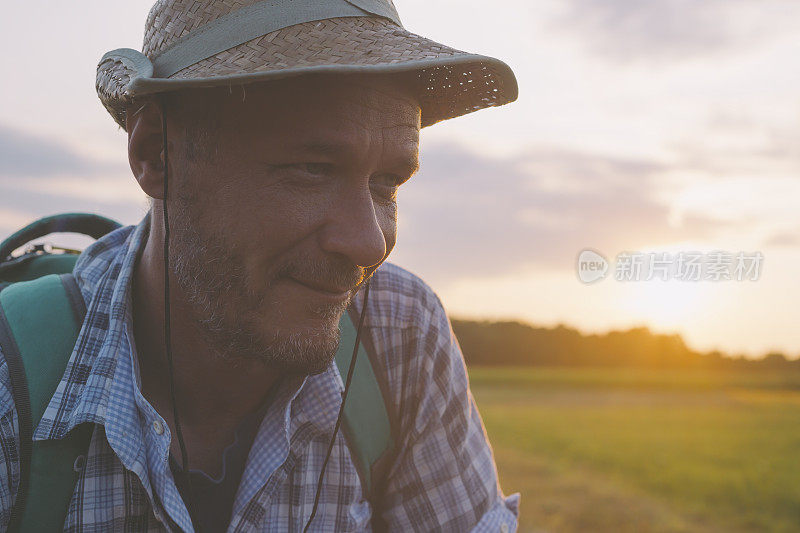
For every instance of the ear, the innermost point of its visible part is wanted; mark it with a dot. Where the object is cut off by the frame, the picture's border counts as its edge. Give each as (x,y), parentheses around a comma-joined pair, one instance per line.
(145,146)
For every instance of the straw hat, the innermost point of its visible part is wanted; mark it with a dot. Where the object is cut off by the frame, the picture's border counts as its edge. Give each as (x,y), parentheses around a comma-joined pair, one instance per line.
(207,43)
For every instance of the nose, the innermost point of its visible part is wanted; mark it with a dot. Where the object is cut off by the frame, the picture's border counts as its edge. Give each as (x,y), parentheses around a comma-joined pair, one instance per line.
(352,228)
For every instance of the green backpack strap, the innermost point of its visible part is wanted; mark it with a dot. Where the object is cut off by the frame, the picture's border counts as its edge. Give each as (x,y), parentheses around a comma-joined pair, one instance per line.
(366,420)
(39,325)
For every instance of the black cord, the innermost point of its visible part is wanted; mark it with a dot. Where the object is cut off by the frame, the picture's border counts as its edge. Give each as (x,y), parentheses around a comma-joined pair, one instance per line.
(341,408)
(167,331)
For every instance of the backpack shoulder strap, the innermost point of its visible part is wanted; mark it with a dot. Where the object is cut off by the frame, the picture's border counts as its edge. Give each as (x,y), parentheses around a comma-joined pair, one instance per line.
(366,421)
(39,325)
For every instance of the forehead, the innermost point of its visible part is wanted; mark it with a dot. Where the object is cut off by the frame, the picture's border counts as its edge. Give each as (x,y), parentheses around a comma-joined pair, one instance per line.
(347,108)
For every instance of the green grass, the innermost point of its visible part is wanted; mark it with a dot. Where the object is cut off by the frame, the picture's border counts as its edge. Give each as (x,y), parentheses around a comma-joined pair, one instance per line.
(645,450)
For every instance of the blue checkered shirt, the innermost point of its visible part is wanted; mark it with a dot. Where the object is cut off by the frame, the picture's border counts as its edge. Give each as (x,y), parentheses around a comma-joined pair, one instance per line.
(442,479)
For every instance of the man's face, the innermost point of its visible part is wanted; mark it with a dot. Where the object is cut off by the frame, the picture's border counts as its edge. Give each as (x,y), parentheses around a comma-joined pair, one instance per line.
(283,206)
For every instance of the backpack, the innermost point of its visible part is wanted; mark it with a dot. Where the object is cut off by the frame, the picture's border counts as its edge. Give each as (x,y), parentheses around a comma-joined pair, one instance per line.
(39,294)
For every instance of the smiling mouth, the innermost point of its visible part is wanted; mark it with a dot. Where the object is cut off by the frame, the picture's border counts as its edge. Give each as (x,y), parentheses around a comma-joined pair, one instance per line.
(330,291)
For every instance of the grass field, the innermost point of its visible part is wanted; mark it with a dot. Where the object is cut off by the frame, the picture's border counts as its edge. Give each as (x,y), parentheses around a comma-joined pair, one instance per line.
(645,450)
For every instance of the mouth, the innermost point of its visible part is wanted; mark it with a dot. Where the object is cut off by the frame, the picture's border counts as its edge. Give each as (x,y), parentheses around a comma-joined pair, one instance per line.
(330,292)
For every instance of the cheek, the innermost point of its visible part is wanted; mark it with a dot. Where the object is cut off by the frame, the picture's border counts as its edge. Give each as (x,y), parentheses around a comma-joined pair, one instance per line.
(263,208)
(267,222)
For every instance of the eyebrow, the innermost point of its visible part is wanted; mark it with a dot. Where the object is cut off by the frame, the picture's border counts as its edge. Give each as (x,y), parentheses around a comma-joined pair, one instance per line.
(408,163)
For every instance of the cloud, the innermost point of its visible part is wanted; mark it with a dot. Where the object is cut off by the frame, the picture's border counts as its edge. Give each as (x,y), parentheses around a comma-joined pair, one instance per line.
(104,189)
(21,205)
(732,144)
(466,214)
(670,30)
(30,205)
(784,239)
(12,220)
(40,176)
(25,155)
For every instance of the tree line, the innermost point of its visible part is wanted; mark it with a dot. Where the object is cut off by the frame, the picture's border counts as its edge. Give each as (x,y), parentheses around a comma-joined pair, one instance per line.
(513,343)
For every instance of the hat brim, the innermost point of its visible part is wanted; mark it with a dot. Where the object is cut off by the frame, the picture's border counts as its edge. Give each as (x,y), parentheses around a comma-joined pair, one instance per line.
(447,82)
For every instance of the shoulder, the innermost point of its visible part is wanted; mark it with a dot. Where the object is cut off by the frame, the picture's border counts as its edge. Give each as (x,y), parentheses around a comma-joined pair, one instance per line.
(410,336)
(441,452)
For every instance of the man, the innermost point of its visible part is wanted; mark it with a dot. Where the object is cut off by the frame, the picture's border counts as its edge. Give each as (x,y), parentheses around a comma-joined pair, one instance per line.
(272,138)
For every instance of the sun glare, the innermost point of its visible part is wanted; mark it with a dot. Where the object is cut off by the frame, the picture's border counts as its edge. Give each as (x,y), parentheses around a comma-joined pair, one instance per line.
(665,305)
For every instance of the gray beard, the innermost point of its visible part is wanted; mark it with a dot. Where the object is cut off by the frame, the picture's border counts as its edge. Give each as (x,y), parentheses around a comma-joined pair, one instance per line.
(215,284)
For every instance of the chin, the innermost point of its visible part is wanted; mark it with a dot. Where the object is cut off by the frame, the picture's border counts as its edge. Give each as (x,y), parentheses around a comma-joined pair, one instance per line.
(297,335)
(306,352)
(299,345)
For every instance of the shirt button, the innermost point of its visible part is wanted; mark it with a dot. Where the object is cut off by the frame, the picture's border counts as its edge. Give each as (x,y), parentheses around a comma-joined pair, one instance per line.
(158,427)
(79,463)
(504,528)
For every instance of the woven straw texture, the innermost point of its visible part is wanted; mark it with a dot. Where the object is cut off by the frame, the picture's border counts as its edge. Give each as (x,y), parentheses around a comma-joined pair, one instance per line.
(444,91)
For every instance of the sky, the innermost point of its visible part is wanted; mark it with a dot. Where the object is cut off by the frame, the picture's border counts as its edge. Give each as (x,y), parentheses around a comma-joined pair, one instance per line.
(664,126)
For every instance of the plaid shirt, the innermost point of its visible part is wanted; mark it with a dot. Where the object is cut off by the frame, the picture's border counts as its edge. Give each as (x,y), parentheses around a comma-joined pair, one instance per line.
(443,477)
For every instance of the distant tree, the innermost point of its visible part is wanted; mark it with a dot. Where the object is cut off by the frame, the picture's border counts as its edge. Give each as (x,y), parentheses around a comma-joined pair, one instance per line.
(775,360)
(515,343)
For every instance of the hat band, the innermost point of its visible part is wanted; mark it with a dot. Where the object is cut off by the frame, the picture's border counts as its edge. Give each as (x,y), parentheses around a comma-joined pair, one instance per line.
(255,20)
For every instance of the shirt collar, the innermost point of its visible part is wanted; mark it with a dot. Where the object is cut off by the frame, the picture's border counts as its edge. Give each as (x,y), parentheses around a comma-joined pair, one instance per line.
(104,273)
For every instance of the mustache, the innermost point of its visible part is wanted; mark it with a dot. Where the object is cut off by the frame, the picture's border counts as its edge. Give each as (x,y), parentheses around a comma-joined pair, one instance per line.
(335,272)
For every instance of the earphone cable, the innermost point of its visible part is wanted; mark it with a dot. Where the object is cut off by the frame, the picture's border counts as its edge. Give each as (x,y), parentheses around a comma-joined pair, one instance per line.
(341,408)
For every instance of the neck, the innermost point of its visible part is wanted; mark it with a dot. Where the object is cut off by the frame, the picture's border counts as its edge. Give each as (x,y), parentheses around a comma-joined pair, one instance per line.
(208,388)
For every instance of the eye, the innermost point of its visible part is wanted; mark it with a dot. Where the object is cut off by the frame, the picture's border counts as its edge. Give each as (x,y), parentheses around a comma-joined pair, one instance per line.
(317,169)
